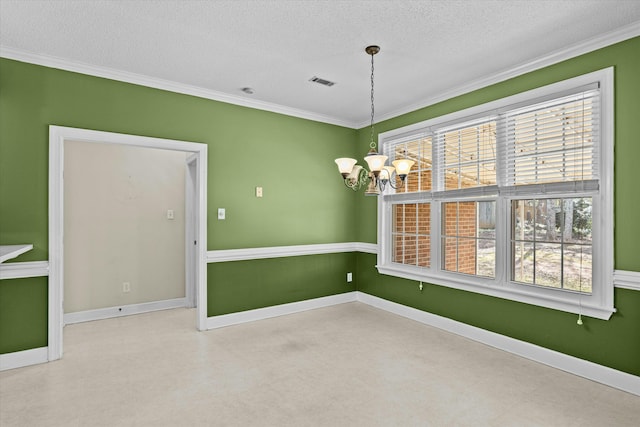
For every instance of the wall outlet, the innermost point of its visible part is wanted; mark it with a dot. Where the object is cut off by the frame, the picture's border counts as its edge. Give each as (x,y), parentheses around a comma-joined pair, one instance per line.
(349,277)
(126,287)
(258,191)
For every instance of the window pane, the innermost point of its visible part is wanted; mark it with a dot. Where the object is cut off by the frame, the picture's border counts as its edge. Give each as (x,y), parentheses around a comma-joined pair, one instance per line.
(577,268)
(548,264)
(450,217)
(467,219)
(469,175)
(488,173)
(411,182)
(410,250)
(398,248)
(548,220)
(424,218)
(451,178)
(487,220)
(410,234)
(579,220)
(487,142)
(424,251)
(450,249)
(523,213)
(469,156)
(486,258)
(425,179)
(398,218)
(469,230)
(523,262)
(418,150)
(467,256)
(410,218)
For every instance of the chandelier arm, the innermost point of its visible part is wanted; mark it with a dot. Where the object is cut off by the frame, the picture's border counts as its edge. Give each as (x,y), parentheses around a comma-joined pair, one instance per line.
(357,183)
(363,177)
(396,186)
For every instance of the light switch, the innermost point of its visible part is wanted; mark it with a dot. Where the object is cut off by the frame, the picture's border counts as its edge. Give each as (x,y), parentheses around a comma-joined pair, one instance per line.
(170,214)
(221,213)
(258,191)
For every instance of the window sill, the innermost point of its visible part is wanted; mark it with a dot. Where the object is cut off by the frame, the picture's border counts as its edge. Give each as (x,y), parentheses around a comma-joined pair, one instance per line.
(570,303)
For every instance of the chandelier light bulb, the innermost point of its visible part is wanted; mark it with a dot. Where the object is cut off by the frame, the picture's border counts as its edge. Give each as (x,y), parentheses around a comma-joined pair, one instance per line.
(403,166)
(345,165)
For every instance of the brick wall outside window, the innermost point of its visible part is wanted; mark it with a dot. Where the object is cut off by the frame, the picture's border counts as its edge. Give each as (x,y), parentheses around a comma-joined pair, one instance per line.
(459,235)
(411,234)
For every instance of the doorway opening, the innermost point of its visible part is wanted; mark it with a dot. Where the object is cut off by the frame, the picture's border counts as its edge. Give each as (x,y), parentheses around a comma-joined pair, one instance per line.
(195,220)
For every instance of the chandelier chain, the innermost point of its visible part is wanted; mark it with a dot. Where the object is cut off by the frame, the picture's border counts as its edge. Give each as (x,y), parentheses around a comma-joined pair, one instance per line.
(372,144)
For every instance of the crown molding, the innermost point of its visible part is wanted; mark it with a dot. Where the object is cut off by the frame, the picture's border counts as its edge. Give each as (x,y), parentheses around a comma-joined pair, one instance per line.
(621,34)
(156,83)
(586,46)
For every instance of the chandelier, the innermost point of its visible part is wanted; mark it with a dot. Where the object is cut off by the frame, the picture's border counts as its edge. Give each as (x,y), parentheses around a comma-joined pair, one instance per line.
(379,175)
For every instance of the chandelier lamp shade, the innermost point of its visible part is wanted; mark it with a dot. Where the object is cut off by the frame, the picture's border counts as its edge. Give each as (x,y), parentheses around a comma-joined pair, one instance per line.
(379,174)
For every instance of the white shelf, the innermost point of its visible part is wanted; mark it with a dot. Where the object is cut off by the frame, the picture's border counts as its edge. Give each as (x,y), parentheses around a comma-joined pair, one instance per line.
(12,251)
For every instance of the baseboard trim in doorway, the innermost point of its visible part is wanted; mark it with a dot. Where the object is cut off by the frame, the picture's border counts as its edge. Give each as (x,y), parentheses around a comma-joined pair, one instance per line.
(592,371)
(278,310)
(20,359)
(122,310)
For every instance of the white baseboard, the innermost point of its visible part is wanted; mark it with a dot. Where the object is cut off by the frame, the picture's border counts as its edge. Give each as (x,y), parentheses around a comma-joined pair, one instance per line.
(124,310)
(278,310)
(19,359)
(593,371)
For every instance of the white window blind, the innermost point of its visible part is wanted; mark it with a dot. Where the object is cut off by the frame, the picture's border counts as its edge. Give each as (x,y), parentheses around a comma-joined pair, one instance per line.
(417,148)
(554,141)
(467,156)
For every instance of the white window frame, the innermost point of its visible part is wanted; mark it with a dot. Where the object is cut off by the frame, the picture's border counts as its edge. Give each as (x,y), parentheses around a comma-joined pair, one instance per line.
(599,303)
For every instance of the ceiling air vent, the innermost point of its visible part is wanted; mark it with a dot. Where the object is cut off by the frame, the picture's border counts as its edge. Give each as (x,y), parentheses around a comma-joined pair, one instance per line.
(321,81)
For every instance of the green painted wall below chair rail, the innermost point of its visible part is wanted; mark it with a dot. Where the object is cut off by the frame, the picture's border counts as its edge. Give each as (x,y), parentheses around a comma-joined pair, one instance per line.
(23,314)
(235,286)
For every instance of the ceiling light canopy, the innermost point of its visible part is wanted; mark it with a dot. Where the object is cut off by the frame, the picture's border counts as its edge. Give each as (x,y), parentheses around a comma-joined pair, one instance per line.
(379,175)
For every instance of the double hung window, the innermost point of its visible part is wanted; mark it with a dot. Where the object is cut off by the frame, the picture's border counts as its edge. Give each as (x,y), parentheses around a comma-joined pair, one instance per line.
(511,199)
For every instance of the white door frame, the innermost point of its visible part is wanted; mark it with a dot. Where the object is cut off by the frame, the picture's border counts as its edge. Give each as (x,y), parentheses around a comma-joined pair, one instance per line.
(192,165)
(57,137)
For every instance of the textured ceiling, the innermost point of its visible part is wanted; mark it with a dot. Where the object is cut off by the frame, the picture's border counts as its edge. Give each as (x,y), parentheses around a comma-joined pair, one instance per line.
(429,48)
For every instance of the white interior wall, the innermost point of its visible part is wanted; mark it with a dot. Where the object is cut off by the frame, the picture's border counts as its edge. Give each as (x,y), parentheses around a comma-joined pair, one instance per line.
(116,228)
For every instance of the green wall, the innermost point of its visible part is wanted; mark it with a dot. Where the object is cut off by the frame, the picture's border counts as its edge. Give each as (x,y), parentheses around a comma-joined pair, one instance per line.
(303,203)
(23,314)
(614,343)
(247,148)
(280,281)
(307,205)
